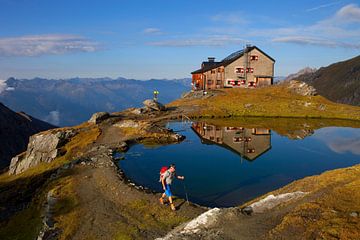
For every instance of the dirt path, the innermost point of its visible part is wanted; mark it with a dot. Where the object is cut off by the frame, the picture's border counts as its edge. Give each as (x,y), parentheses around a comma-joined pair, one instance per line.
(111,209)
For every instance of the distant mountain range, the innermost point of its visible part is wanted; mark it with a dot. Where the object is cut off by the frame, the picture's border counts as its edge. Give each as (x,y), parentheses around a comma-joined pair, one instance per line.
(15,130)
(339,82)
(71,101)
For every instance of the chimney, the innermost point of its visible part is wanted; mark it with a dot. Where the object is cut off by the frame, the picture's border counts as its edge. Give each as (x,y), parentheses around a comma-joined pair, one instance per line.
(211,59)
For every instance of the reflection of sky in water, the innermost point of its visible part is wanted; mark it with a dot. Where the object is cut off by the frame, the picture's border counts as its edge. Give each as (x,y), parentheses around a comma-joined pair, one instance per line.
(340,140)
(217,174)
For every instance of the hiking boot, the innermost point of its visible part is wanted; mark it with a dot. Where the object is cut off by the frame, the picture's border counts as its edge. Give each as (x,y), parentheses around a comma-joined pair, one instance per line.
(161,200)
(172,207)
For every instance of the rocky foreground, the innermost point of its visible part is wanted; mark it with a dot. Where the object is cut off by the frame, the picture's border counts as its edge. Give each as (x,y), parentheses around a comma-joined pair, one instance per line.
(67,186)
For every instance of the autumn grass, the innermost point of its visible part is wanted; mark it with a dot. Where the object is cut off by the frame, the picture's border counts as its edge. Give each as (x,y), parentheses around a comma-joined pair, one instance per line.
(144,216)
(273,101)
(33,184)
(66,209)
(328,216)
(73,149)
(23,225)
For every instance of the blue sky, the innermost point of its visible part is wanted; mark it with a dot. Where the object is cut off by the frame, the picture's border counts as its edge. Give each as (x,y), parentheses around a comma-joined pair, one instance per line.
(169,39)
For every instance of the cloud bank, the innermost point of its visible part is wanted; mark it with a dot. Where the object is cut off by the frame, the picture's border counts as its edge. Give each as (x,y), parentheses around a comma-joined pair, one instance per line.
(303,40)
(53,118)
(3,86)
(36,45)
(340,30)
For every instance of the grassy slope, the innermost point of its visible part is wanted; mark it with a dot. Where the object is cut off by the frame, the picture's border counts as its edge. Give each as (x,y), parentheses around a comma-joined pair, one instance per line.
(332,197)
(334,194)
(274,101)
(32,184)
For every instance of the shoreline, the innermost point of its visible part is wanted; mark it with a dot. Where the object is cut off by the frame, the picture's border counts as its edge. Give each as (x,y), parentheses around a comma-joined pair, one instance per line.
(98,183)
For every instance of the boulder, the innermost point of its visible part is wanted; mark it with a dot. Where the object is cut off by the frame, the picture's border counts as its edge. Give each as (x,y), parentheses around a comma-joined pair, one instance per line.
(302,88)
(42,147)
(99,117)
(154,105)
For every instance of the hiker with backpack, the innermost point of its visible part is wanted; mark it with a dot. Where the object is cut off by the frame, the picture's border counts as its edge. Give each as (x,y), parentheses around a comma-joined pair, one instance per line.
(166,177)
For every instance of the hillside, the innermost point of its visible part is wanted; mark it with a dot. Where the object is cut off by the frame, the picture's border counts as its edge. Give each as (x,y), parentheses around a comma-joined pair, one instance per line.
(339,82)
(83,183)
(15,130)
(276,101)
(71,101)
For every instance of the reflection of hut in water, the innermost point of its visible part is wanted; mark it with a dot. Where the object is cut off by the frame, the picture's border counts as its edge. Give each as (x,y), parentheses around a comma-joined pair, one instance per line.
(250,143)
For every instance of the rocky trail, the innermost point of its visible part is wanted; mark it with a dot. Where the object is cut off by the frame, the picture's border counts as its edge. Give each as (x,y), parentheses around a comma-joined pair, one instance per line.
(105,197)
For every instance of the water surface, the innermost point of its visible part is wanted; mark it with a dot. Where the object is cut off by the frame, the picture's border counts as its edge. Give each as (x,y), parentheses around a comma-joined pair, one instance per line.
(229,165)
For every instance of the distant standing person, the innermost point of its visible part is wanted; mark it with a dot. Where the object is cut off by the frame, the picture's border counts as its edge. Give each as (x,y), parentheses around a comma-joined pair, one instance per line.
(166,181)
(156,93)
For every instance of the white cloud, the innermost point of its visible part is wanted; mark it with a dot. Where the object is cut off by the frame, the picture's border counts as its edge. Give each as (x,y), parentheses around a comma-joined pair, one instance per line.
(322,6)
(35,45)
(340,140)
(230,18)
(343,145)
(303,40)
(53,118)
(3,85)
(152,31)
(222,40)
(338,30)
(349,13)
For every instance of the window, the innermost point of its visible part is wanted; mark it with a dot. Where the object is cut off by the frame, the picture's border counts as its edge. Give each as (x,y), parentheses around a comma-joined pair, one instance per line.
(239,70)
(213,71)
(218,82)
(250,70)
(210,82)
(254,58)
(220,70)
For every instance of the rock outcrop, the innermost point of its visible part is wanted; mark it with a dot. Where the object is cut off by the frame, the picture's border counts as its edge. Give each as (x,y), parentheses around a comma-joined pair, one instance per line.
(15,130)
(42,147)
(153,105)
(99,117)
(302,88)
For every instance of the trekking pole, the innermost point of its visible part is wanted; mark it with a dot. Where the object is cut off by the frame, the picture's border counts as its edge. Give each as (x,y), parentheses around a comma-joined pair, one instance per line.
(186,195)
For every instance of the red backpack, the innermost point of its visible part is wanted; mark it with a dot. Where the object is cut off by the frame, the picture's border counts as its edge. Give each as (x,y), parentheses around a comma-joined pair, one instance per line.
(162,172)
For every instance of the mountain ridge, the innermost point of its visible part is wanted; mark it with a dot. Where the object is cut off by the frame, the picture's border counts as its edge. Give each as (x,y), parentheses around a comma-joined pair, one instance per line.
(15,130)
(338,82)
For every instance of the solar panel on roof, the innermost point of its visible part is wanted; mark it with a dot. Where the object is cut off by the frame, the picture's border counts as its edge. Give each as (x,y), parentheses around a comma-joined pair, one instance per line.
(234,55)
